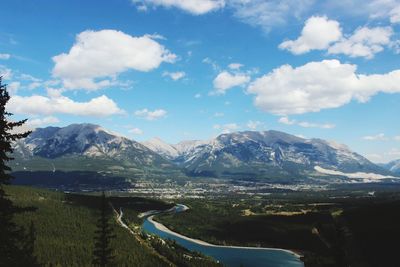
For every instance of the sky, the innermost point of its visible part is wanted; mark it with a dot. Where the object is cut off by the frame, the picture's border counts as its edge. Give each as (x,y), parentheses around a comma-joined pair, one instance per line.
(193,69)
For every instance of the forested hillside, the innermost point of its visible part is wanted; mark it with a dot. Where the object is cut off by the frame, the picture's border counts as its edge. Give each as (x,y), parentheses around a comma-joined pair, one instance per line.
(65,226)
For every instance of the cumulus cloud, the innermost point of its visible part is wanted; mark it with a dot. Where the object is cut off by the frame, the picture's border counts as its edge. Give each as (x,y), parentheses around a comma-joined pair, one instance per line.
(318,85)
(41,105)
(195,7)
(174,75)
(226,80)
(135,131)
(306,124)
(151,115)
(365,42)
(318,33)
(397,138)
(4,56)
(98,56)
(42,121)
(226,128)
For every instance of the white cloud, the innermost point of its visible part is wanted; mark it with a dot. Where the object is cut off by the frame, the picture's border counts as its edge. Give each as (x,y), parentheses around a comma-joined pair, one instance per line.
(397,138)
(395,15)
(267,14)
(98,56)
(218,114)
(305,124)
(135,131)
(4,56)
(253,125)
(365,42)
(378,137)
(235,66)
(40,105)
(151,115)
(318,33)
(195,7)
(318,85)
(197,95)
(174,75)
(42,121)
(226,128)
(226,80)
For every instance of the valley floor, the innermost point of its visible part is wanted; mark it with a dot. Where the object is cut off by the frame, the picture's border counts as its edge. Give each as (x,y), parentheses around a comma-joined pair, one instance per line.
(356,227)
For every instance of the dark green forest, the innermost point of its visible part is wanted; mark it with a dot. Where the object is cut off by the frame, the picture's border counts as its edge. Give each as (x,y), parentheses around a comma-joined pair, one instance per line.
(65,226)
(360,230)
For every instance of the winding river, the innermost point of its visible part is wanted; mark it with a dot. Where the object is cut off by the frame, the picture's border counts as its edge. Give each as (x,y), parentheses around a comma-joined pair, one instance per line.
(230,256)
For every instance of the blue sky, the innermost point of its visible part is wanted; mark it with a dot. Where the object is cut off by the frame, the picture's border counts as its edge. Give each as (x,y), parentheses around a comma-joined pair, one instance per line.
(192,69)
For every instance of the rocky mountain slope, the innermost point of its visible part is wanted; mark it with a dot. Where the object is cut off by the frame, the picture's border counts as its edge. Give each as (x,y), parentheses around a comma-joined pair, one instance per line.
(87,147)
(393,166)
(270,154)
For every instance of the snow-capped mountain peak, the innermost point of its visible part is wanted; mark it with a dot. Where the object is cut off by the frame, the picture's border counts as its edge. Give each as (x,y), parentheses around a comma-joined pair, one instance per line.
(159,146)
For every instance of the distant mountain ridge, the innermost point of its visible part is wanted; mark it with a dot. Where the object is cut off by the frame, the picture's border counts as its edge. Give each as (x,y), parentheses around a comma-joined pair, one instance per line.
(266,154)
(86,147)
(271,155)
(393,166)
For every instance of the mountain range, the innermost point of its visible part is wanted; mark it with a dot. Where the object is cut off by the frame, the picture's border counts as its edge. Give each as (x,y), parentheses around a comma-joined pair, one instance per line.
(393,166)
(88,147)
(268,155)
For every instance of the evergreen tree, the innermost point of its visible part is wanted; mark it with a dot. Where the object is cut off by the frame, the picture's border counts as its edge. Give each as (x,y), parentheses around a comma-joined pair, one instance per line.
(102,251)
(13,241)
(6,137)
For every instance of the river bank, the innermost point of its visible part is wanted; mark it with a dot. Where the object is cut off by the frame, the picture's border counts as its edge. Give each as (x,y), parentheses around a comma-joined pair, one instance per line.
(165,229)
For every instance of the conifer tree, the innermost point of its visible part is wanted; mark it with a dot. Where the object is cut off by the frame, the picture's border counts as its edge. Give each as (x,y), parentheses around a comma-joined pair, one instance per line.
(13,240)
(102,254)
(6,137)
